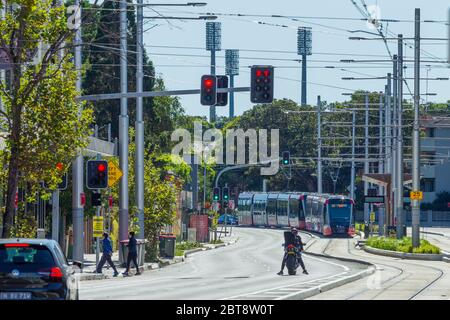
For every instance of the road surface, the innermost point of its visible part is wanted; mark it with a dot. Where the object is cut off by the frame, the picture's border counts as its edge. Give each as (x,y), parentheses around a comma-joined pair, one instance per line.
(244,270)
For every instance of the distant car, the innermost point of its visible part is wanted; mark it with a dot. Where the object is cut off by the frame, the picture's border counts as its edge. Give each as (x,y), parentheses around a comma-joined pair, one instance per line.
(230,219)
(35,269)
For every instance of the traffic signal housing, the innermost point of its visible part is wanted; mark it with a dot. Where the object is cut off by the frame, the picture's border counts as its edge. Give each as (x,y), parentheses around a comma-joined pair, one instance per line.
(97,174)
(226,194)
(208,91)
(286,157)
(222,98)
(262,83)
(216,194)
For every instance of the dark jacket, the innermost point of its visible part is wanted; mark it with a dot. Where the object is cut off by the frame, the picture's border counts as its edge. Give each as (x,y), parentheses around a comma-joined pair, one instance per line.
(132,245)
(297,243)
(107,247)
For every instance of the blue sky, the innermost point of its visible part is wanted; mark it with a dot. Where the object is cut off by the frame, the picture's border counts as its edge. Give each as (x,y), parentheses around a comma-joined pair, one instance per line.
(330,44)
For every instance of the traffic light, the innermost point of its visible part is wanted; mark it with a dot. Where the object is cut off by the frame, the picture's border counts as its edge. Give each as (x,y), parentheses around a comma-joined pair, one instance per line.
(216,194)
(286,157)
(262,81)
(96,199)
(226,194)
(97,174)
(208,94)
(63,184)
(222,98)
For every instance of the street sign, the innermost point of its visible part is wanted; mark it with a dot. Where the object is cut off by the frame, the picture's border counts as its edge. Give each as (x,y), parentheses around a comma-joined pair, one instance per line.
(216,206)
(98,226)
(374,199)
(114,173)
(416,195)
(372,216)
(231,205)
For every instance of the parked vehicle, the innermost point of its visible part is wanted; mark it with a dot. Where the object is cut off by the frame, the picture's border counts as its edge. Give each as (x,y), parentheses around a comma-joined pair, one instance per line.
(36,269)
(230,219)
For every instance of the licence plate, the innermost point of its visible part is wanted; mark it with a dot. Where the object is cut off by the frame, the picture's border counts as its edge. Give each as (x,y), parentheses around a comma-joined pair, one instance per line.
(15,295)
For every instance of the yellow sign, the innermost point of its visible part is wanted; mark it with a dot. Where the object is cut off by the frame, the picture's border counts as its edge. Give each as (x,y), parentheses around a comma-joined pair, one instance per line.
(416,195)
(98,226)
(114,173)
(372,217)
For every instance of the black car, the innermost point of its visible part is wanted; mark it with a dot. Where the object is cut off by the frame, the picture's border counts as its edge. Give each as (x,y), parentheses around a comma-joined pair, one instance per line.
(35,269)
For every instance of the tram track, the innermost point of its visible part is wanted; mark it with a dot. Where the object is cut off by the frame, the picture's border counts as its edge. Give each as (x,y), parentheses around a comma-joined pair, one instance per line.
(401,271)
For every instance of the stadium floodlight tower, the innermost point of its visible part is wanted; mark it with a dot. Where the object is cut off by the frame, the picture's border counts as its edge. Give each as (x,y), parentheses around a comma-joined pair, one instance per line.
(213,44)
(232,69)
(304,49)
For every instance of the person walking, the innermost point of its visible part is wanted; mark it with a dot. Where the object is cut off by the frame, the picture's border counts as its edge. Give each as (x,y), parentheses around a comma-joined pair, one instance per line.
(132,254)
(107,255)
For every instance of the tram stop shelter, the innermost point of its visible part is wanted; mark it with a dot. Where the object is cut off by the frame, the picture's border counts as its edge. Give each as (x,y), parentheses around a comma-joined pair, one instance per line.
(384,180)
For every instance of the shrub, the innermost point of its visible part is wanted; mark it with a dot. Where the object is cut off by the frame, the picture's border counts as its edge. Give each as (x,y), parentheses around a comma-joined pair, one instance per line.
(402,245)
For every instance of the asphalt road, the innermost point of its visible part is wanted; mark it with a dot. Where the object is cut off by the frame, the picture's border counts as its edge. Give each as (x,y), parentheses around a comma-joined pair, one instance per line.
(247,267)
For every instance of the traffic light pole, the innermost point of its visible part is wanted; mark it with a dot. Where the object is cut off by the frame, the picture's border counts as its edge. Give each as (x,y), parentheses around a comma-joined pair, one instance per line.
(77,166)
(55,215)
(123,127)
(212,109)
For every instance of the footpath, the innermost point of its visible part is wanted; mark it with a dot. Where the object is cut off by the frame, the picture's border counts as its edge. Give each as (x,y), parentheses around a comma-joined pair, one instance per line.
(89,266)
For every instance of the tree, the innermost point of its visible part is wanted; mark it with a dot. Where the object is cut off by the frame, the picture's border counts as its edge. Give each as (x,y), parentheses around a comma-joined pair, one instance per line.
(41,114)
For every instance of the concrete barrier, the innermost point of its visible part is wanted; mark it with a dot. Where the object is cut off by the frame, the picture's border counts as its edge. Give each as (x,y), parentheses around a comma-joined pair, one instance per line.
(403,255)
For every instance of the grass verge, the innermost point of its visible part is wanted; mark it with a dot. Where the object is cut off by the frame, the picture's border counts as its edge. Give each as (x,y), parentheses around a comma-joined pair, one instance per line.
(402,245)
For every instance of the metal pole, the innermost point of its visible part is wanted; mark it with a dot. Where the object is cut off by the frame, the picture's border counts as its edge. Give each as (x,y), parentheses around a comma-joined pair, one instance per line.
(55,215)
(139,125)
(319,151)
(352,178)
(399,197)
(204,186)
(77,166)
(123,126)
(415,204)
(304,75)
(231,97)
(388,127)
(212,109)
(97,239)
(394,140)
(366,154)
(381,210)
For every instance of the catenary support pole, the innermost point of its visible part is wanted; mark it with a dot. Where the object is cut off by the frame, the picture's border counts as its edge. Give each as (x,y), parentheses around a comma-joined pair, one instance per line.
(394,140)
(415,204)
(399,196)
(77,165)
(366,154)
(212,109)
(123,127)
(139,125)
(381,209)
(352,178)
(319,142)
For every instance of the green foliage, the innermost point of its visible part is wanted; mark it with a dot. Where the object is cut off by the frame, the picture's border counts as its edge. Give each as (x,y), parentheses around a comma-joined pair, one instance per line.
(25,226)
(402,245)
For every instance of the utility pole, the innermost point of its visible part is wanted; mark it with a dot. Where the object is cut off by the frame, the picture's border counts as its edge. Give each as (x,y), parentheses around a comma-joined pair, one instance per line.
(352,178)
(78,164)
(399,195)
(381,209)
(123,126)
(394,140)
(139,168)
(415,204)
(388,126)
(366,154)
(319,143)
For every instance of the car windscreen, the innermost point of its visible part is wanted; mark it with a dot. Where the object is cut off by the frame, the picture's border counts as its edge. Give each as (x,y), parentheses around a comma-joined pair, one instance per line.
(340,210)
(25,258)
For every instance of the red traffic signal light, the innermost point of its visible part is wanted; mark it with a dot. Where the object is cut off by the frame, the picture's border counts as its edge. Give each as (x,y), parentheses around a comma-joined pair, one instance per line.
(97,174)
(101,167)
(208,90)
(262,83)
(60,166)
